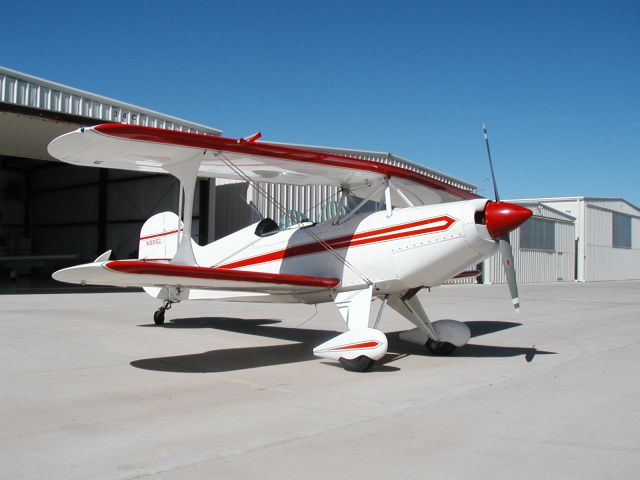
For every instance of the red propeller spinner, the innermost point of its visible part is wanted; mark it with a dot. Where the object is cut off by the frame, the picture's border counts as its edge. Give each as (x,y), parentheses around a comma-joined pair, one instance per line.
(503,217)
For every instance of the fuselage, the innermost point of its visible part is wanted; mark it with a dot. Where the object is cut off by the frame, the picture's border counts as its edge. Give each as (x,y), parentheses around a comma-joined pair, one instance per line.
(412,247)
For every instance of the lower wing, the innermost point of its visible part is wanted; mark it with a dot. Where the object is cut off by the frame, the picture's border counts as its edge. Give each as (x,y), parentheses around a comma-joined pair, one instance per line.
(139,273)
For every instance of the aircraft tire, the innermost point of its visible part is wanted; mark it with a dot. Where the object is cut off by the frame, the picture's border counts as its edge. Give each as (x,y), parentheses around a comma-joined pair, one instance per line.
(158,317)
(359,364)
(440,348)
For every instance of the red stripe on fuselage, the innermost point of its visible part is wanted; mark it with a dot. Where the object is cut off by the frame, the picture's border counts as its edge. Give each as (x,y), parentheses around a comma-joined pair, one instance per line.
(364,238)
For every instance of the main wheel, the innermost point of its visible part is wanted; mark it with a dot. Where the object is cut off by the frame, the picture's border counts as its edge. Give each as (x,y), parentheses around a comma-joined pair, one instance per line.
(158,317)
(359,364)
(440,348)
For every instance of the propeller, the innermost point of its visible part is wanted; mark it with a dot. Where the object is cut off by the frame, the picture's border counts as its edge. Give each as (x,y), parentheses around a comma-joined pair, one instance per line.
(500,219)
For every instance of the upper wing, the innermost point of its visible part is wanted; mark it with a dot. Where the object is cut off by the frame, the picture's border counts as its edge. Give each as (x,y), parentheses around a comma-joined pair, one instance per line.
(149,149)
(140,273)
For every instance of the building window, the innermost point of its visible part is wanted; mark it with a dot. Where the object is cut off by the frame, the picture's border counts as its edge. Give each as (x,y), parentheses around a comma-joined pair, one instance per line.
(538,234)
(621,230)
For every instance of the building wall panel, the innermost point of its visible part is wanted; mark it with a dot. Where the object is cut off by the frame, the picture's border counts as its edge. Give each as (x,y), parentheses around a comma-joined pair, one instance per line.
(71,239)
(606,263)
(599,225)
(75,205)
(536,266)
(603,261)
(232,212)
(63,175)
(141,198)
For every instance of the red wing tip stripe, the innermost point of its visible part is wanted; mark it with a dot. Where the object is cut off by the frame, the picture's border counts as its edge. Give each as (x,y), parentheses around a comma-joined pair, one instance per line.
(209,273)
(160,234)
(356,346)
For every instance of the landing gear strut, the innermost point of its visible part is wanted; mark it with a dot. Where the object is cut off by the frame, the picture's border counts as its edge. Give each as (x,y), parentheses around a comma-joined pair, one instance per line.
(158,315)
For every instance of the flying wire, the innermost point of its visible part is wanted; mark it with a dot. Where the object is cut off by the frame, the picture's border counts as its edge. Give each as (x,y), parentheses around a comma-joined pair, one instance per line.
(283,210)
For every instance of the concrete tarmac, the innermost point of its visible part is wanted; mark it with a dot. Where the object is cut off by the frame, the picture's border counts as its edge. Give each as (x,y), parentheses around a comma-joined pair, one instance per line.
(92,389)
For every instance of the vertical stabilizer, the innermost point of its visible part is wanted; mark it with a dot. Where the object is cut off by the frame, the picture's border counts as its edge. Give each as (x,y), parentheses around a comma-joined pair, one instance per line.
(159,237)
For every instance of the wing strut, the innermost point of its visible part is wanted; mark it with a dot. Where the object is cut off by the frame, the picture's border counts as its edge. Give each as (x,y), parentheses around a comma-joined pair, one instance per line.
(187,172)
(401,194)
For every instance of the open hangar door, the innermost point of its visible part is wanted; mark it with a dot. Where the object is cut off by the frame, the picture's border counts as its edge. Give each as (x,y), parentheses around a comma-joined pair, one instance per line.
(54,214)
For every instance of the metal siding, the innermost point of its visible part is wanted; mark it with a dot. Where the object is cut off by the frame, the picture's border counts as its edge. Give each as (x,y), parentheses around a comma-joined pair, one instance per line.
(603,261)
(536,266)
(389,159)
(599,227)
(28,91)
(231,210)
(308,199)
(459,281)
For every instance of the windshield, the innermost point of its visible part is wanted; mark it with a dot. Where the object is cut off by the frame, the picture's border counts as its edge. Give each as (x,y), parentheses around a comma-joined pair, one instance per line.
(292,217)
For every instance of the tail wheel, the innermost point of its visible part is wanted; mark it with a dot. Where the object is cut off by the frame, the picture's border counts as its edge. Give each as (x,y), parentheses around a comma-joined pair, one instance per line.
(158,317)
(358,364)
(440,348)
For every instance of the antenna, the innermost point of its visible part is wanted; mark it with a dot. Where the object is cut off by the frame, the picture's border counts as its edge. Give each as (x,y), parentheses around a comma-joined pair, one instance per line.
(493,175)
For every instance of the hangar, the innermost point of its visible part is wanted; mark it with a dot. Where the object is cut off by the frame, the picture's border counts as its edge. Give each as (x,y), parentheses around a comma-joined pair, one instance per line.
(52,213)
(585,239)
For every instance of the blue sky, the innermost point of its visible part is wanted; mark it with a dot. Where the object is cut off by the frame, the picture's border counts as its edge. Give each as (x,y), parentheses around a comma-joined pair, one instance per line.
(558,83)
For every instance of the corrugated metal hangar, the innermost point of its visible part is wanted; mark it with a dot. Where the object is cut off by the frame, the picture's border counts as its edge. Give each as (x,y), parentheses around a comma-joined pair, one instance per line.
(574,238)
(53,214)
(543,248)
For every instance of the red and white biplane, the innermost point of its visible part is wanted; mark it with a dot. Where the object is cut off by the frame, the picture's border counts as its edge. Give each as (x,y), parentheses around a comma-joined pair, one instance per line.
(427,233)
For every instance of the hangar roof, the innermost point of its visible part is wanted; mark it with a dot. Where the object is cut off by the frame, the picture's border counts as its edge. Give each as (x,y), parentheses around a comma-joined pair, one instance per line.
(611,203)
(34,111)
(545,211)
(389,159)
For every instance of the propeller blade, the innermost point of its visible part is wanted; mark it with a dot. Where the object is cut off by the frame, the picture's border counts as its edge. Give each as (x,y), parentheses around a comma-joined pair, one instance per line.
(506,253)
(493,175)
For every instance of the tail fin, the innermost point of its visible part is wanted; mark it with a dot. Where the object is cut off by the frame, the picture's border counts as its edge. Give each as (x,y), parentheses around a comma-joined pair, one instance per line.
(159,237)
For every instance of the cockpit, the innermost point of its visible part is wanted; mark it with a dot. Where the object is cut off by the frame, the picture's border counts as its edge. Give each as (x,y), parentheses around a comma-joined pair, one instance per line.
(330,211)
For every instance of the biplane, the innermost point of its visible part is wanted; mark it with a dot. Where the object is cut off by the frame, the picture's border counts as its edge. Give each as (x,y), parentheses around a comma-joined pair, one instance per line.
(425,232)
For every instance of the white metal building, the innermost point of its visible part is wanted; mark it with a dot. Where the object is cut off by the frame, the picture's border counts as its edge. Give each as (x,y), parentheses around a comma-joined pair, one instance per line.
(543,248)
(607,236)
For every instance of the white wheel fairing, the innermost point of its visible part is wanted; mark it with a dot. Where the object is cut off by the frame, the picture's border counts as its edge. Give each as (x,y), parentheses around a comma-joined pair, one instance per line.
(452,331)
(354,343)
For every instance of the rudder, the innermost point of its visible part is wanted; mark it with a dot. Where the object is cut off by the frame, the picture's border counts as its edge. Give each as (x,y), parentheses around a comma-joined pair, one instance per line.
(159,237)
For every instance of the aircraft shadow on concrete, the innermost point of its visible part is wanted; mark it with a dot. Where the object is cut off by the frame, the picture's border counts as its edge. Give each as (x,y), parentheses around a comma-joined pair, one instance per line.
(301,350)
